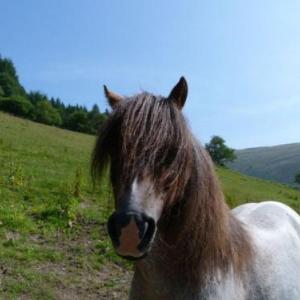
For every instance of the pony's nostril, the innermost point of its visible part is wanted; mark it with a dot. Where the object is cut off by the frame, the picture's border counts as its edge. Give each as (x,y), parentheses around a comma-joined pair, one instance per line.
(142,226)
(148,234)
(143,230)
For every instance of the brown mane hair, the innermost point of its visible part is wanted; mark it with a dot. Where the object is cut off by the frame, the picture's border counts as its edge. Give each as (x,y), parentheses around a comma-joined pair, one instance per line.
(198,236)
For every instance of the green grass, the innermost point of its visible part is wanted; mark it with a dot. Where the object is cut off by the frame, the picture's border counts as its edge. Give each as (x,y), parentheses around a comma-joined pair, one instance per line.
(50,214)
(239,189)
(52,221)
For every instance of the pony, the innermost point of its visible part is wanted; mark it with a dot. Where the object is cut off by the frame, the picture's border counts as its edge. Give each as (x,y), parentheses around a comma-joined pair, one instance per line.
(171,218)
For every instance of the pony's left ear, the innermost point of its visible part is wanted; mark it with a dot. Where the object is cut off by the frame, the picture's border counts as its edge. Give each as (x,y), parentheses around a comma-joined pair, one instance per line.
(113,99)
(179,93)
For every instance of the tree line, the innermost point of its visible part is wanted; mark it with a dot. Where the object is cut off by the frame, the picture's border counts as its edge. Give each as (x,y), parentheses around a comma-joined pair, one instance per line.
(37,106)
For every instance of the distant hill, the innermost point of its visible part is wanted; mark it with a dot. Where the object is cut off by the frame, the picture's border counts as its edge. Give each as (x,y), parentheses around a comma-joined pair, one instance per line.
(279,163)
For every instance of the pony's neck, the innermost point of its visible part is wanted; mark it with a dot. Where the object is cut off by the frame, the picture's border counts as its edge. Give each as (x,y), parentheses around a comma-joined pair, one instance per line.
(198,237)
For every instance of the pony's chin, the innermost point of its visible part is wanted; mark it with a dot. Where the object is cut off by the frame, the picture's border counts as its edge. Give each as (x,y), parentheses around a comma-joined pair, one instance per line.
(134,258)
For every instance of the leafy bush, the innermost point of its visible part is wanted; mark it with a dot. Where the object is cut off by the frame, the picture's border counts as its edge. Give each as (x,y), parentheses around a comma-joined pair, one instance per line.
(17,105)
(45,113)
(78,121)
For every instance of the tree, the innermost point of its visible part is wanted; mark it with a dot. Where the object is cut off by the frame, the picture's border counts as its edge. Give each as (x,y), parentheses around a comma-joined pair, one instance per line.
(78,121)
(219,152)
(18,106)
(1,92)
(9,81)
(95,119)
(45,113)
(36,97)
(297,178)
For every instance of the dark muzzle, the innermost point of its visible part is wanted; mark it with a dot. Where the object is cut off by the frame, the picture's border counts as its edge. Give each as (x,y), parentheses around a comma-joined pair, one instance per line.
(131,233)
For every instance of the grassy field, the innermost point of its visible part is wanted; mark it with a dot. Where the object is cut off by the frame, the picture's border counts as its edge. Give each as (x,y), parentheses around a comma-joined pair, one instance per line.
(52,221)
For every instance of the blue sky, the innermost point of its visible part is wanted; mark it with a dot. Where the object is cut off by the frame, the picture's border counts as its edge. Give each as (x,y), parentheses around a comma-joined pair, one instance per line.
(241,58)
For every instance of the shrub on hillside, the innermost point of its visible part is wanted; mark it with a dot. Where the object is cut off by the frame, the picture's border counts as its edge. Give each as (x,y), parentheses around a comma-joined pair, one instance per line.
(1,92)
(95,119)
(17,106)
(45,113)
(78,121)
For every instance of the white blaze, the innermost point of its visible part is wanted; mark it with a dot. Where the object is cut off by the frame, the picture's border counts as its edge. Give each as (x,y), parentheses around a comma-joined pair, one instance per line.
(144,199)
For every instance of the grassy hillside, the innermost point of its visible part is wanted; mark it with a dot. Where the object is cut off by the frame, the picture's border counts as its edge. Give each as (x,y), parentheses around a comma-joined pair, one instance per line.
(279,163)
(52,222)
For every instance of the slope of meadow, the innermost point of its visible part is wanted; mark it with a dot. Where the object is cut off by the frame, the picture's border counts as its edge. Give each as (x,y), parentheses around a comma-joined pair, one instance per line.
(278,163)
(52,222)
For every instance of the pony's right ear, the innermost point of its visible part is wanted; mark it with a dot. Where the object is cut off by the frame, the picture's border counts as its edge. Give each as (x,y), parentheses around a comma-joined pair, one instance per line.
(113,99)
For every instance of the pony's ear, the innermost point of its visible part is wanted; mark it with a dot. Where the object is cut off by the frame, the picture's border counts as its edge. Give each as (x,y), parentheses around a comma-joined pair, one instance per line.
(113,99)
(179,93)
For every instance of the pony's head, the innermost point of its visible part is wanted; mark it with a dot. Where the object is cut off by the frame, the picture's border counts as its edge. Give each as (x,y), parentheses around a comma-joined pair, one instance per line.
(148,148)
